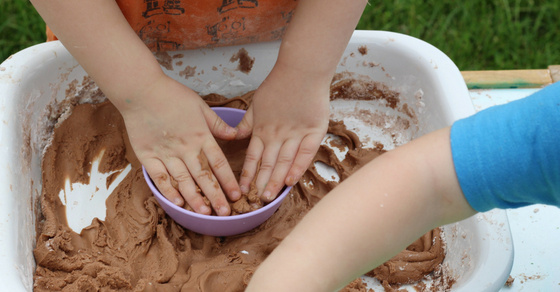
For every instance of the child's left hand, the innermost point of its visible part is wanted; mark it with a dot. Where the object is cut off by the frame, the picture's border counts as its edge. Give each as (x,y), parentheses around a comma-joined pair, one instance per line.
(288,120)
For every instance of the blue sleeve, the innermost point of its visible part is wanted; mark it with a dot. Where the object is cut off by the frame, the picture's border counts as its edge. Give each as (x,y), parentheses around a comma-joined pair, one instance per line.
(508,156)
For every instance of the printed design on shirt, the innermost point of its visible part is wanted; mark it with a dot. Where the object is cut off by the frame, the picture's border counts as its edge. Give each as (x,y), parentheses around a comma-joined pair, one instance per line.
(154,32)
(279,33)
(170,25)
(152,35)
(228,5)
(287,16)
(228,28)
(169,7)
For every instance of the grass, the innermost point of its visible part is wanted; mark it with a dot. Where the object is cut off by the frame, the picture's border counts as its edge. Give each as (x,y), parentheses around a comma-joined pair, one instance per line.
(475,34)
(20,27)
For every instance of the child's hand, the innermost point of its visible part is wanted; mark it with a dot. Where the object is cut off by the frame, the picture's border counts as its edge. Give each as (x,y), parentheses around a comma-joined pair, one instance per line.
(289,119)
(170,129)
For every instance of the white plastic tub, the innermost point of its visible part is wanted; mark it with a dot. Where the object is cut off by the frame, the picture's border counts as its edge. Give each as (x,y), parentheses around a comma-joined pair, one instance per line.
(479,250)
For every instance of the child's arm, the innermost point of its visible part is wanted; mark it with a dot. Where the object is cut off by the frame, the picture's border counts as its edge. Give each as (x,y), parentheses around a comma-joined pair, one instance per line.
(368,218)
(503,157)
(156,109)
(290,111)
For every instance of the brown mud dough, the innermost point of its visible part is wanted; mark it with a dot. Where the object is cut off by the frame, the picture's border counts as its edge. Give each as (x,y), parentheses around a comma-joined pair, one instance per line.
(357,89)
(509,281)
(419,259)
(138,247)
(234,152)
(165,60)
(245,61)
(363,50)
(188,72)
(356,286)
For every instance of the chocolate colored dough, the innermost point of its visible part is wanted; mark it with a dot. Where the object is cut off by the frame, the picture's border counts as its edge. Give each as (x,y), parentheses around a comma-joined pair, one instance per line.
(412,264)
(139,248)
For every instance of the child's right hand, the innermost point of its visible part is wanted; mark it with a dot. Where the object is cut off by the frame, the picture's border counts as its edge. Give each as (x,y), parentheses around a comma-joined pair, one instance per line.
(171,130)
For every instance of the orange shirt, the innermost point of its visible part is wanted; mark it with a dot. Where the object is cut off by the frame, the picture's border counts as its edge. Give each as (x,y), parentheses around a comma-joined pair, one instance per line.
(169,25)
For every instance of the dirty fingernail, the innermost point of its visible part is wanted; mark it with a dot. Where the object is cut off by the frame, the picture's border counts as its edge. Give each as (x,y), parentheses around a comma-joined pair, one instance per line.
(204,210)
(244,189)
(291,181)
(231,131)
(267,195)
(178,202)
(235,195)
(223,211)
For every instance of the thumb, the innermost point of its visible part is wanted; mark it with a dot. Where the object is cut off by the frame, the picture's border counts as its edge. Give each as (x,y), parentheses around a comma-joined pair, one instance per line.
(218,127)
(245,127)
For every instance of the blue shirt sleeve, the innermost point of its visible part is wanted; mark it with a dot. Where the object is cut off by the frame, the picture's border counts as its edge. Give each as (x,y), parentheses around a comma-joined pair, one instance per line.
(508,156)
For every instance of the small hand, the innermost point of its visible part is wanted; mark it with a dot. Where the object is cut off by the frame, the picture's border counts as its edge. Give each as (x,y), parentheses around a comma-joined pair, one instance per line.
(171,131)
(288,120)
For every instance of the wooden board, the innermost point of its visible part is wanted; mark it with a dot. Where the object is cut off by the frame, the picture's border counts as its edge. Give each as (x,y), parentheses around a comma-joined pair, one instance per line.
(507,78)
(554,72)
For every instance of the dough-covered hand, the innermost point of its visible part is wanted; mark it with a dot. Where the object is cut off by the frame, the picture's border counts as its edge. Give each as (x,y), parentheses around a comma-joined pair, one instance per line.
(288,119)
(171,130)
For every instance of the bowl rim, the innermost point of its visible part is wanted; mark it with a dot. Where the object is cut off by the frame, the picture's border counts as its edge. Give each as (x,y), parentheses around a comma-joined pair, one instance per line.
(268,206)
(217,109)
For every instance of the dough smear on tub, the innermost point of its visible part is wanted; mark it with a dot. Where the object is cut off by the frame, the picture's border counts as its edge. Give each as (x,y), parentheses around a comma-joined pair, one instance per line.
(137,247)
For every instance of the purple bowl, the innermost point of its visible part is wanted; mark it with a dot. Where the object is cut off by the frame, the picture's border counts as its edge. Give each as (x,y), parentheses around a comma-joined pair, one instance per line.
(218,225)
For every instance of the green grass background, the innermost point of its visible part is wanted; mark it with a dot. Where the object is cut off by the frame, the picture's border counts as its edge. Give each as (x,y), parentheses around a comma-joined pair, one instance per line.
(20,27)
(475,34)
